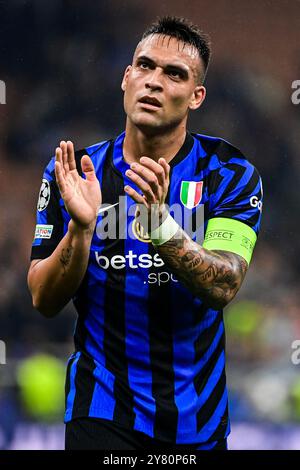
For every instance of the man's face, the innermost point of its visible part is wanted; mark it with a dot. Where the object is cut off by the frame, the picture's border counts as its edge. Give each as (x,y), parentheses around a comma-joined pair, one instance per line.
(162,84)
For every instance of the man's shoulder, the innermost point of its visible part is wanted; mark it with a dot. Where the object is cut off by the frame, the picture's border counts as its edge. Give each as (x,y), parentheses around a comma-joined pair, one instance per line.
(97,152)
(218,147)
(226,165)
(95,149)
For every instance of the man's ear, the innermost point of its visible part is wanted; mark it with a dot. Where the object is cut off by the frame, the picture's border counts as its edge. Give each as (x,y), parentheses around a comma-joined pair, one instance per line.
(198,97)
(125,77)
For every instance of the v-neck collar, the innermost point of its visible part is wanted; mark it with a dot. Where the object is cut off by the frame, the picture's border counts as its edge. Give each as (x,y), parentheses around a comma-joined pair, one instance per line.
(121,165)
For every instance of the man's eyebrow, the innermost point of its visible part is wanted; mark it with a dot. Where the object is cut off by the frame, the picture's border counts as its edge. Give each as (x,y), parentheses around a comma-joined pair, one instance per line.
(177,68)
(145,58)
(174,67)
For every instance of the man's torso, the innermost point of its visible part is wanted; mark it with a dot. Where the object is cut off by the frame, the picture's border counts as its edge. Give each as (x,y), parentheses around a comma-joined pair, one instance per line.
(148,354)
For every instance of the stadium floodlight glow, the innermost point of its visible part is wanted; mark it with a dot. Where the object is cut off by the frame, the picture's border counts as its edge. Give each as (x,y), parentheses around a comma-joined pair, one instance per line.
(2,352)
(2,92)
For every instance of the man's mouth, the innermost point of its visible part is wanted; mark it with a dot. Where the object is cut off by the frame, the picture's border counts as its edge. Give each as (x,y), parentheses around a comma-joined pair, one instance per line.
(151,101)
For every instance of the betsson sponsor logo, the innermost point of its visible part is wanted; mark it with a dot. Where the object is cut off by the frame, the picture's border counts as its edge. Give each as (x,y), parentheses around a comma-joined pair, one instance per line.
(133,261)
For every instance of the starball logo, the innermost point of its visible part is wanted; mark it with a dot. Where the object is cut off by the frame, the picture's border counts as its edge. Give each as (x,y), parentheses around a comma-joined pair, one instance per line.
(2,92)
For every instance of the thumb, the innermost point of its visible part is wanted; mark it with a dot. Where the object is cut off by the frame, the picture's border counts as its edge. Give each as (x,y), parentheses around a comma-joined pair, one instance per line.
(88,168)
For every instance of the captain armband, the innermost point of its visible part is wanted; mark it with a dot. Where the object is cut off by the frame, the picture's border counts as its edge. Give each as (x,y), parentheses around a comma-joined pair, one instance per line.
(230,235)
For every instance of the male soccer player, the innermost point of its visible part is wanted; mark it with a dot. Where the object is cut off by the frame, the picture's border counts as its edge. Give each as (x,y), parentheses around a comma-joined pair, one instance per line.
(148,369)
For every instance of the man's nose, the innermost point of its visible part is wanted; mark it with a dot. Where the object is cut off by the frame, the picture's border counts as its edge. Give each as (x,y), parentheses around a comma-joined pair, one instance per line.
(154,80)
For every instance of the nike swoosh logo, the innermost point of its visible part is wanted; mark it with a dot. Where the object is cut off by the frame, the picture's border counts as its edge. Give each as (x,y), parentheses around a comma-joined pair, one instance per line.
(106,208)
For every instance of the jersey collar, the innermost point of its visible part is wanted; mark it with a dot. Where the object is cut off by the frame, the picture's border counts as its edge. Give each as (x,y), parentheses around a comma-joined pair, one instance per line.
(121,166)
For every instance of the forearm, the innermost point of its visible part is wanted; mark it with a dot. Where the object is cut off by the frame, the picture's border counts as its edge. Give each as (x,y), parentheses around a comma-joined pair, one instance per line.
(54,280)
(213,276)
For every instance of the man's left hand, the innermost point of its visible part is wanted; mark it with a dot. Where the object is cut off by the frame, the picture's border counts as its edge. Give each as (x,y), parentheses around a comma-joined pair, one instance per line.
(152,178)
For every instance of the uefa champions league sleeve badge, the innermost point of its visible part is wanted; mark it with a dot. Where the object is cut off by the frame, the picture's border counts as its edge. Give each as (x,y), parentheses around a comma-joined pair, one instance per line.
(44,196)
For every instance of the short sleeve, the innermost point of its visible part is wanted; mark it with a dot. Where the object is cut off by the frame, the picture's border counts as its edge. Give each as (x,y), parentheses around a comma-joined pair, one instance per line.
(239,194)
(236,209)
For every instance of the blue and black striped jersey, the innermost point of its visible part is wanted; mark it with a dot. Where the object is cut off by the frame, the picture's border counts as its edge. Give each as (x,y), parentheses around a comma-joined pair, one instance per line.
(148,354)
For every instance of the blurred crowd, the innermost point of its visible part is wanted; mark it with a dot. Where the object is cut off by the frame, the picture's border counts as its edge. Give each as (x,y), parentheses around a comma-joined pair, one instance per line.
(62,68)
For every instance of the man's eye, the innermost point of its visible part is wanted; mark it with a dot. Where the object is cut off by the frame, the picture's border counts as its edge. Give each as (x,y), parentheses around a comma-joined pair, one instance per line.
(144,65)
(174,74)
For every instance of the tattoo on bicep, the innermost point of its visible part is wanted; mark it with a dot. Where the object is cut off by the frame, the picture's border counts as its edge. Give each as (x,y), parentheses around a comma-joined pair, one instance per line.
(212,275)
(65,257)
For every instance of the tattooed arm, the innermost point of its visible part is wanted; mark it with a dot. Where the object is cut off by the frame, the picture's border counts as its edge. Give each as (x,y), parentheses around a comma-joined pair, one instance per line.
(54,280)
(214,276)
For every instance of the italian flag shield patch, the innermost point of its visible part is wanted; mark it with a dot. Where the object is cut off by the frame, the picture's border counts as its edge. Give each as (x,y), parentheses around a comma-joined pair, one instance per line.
(191,193)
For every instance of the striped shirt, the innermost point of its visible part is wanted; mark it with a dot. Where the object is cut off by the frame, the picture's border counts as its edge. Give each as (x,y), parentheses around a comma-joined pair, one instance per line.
(149,355)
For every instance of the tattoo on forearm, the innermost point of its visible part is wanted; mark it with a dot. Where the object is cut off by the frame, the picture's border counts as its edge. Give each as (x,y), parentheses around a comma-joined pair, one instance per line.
(65,258)
(215,276)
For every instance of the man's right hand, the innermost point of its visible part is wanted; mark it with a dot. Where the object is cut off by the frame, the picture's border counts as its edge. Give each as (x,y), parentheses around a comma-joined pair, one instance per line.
(82,197)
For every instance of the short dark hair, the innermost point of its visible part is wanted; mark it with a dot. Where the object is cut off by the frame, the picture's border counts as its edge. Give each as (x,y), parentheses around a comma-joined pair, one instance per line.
(183,30)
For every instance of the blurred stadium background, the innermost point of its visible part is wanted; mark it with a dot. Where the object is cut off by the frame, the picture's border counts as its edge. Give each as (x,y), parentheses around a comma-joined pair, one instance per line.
(62,63)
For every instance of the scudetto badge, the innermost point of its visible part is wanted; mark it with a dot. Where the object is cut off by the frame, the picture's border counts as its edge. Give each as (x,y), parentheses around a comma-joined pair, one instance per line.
(44,196)
(191,193)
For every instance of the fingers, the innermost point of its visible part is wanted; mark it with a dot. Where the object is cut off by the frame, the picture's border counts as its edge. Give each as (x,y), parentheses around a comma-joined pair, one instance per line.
(88,168)
(141,183)
(151,177)
(60,178)
(64,150)
(155,167)
(71,155)
(135,195)
(59,159)
(58,155)
(145,179)
(147,175)
(166,167)
(68,155)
